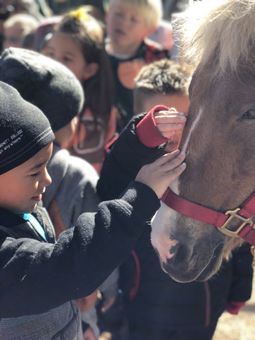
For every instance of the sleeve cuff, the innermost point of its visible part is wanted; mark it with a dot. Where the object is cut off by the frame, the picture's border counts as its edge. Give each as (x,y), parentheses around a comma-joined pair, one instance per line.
(147,130)
(233,307)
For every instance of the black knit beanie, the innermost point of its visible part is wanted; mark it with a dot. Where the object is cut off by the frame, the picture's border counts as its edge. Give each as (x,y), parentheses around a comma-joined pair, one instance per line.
(24,129)
(43,82)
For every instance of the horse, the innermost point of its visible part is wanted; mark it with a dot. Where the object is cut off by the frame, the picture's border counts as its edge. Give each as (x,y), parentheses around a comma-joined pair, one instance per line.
(210,210)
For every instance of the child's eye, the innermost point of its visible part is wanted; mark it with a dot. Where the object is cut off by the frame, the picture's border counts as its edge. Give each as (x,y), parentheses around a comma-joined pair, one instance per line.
(135,20)
(67,60)
(119,14)
(49,53)
(35,174)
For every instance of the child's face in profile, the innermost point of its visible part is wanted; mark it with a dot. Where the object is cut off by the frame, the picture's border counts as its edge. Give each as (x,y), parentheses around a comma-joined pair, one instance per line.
(126,27)
(178,101)
(63,48)
(23,186)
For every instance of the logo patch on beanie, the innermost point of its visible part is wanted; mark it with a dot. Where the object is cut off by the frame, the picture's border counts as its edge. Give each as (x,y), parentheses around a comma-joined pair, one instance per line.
(11,141)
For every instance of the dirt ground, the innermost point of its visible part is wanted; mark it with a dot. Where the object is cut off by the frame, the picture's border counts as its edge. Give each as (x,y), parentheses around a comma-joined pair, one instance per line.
(238,327)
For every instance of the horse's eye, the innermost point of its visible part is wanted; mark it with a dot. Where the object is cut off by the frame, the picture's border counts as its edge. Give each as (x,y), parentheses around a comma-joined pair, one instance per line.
(250,114)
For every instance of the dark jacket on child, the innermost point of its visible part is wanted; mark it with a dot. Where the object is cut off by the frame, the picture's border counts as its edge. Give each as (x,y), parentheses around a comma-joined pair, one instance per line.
(157,303)
(39,277)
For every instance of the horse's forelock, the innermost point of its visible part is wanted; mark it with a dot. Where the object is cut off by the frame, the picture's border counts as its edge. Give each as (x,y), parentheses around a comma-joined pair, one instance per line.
(226,27)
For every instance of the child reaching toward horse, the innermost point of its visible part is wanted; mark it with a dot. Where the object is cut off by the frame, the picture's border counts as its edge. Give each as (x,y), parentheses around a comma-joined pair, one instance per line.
(39,275)
(78,43)
(158,308)
(59,94)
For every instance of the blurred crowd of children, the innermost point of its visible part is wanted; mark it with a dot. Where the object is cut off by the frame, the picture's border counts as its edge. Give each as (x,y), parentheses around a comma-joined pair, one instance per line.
(119,53)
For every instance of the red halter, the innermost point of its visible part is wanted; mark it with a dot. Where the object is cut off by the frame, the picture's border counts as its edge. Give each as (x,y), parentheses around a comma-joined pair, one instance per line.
(223,221)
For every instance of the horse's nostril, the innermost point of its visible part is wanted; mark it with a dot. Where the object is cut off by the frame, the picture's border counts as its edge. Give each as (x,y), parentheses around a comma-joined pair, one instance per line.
(173,249)
(179,252)
(182,254)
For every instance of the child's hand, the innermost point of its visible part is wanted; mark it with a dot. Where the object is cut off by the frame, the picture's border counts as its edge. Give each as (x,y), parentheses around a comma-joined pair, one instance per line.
(87,302)
(169,121)
(162,172)
(170,124)
(89,334)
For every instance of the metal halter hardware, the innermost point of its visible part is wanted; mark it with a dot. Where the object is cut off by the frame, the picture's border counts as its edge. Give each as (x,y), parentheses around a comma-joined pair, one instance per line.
(232,216)
(233,223)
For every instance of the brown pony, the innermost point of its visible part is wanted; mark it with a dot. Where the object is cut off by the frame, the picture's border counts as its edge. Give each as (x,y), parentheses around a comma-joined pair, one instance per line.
(219,140)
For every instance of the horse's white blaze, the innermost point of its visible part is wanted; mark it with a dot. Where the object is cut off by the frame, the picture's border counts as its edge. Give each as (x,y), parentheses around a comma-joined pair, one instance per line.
(165,218)
(194,125)
(160,225)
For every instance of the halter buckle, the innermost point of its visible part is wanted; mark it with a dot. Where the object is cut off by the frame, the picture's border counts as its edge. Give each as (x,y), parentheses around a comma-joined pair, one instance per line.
(228,229)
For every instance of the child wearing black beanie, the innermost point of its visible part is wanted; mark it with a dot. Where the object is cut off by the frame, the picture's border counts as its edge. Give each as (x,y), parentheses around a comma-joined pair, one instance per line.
(21,135)
(39,275)
(54,89)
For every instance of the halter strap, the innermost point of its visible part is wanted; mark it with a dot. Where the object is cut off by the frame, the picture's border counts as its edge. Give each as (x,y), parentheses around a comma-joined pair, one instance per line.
(223,221)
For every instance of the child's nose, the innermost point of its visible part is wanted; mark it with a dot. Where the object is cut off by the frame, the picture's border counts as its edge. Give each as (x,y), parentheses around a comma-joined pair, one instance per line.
(125,22)
(47,179)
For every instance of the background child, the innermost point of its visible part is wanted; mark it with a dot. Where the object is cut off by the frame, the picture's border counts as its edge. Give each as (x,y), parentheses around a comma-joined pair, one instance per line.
(129,23)
(163,34)
(18,28)
(39,276)
(159,308)
(164,82)
(78,43)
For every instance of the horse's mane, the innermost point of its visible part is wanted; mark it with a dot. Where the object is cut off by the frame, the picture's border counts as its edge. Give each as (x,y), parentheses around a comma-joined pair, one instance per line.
(224,32)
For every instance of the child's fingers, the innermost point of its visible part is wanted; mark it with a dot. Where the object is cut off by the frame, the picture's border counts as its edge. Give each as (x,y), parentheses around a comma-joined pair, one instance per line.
(170,119)
(169,114)
(169,163)
(170,127)
(159,174)
(175,172)
(171,110)
(166,158)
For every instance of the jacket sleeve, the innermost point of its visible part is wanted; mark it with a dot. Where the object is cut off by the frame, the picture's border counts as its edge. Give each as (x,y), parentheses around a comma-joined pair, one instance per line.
(37,276)
(242,275)
(125,158)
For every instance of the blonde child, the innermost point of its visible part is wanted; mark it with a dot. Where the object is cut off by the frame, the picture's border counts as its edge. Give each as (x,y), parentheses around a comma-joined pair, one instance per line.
(78,43)
(129,23)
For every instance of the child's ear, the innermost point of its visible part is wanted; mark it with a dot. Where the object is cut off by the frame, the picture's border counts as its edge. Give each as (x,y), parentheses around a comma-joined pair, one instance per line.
(90,70)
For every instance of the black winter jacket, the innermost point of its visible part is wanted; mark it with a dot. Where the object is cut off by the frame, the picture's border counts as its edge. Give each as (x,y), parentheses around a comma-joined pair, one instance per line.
(36,276)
